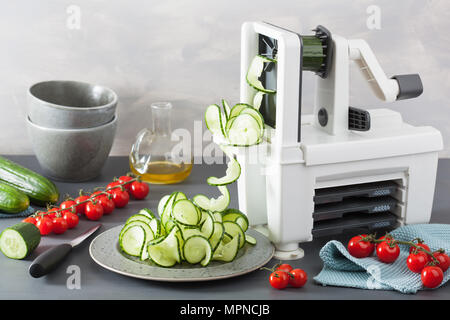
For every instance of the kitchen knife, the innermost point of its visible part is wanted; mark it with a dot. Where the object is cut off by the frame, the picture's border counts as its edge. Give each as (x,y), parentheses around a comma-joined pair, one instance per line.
(49,259)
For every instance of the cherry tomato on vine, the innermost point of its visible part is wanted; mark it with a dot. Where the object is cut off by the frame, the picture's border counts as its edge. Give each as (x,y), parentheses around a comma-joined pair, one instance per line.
(444,260)
(81,208)
(297,278)
(139,190)
(123,179)
(112,186)
(120,198)
(53,212)
(279,279)
(68,205)
(71,218)
(45,225)
(417,261)
(423,245)
(94,211)
(96,194)
(387,253)
(432,276)
(31,220)
(107,203)
(359,248)
(60,225)
(284,267)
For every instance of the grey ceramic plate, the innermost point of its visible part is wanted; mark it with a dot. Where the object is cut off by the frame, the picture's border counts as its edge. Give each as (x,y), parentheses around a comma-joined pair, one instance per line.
(104,250)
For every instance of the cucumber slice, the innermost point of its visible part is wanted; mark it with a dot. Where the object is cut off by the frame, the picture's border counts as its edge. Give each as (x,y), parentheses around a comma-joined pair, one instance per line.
(147,212)
(213,204)
(232,174)
(139,217)
(217,216)
(237,109)
(166,251)
(226,109)
(257,99)
(250,240)
(185,212)
(254,72)
(256,114)
(133,240)
(245,130)
(156,227)
(20,240)
(214,120)
(197,249)
(207,226)
(234,230)
(237,216)
(149,235)
(188,232)
(162,204)
(227,252)
(217,236)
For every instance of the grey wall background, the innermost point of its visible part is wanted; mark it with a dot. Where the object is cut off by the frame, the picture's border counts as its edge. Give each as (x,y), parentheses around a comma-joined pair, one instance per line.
(188,52)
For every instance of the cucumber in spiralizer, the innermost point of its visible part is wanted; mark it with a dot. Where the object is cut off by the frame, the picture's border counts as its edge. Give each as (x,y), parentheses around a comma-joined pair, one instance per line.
(20,240)
(254,72)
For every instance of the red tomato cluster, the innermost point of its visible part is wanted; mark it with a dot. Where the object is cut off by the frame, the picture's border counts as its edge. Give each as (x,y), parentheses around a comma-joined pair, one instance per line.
(284,275)
(93,207)
(418,261)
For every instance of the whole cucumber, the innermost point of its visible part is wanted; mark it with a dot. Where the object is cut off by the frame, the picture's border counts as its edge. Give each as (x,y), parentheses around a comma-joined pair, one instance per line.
(39,189)
(12,200)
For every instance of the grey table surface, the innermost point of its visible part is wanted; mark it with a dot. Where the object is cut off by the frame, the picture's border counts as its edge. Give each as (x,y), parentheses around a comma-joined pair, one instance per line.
(99,283)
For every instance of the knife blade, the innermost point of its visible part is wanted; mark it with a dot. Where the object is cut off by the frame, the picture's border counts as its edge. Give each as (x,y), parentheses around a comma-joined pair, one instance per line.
(50,258)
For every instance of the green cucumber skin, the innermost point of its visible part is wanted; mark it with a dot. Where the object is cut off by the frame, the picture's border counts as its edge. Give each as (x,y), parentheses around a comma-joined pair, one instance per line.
(29,233)
(39,189)
(12,200)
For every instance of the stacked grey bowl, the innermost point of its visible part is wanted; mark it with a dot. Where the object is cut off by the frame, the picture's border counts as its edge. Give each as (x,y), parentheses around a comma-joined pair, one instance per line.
(71,126)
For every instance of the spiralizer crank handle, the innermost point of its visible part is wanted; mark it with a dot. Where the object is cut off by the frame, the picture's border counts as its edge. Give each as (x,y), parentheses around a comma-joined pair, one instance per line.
(48,260)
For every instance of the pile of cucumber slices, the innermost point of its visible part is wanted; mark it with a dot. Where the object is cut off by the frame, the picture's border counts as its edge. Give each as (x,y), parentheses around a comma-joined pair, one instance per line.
(184,232)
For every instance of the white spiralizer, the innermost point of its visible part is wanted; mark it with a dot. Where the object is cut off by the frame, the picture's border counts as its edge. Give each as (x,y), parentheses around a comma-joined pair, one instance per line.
(341,167)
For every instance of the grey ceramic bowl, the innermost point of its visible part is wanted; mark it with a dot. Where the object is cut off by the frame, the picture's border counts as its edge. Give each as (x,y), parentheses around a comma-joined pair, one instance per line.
(72,154)
(70,104)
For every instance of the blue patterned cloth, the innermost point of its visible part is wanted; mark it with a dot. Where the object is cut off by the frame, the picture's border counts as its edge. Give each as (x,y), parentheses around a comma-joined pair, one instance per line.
(24,213)
(341,269)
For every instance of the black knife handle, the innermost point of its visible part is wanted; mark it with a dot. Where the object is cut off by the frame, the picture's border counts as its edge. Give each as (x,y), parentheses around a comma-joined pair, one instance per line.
(48,260)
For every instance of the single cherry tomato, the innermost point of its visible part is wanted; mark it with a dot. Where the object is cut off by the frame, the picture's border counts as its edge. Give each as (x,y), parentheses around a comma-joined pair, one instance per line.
(31,220)
(423,245)
(68,205)
(297,278)
(71,218)
(97,194)
(139,190)
(432,276)
(279,279)
(120,198)
(124,179)
(444,260)
(45,225)
(284,267)
(386,252)
(81,208)
(417,261)
(94,211)
(359,248)
(107,203)
(60,225)
(53,212)
(111,187)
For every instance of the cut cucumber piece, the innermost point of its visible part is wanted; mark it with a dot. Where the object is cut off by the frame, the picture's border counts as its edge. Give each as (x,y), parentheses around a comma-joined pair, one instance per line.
(217,236)
(237,109)
(185,212)
(162,204)
(197,249)
(156,227)
(166,251)
(148,231)
(217,216)
(226,109)
(20,240)
(257,99)
(188,232)
(237,216)
(227,252)
(147,212)
(234,230)
(250,240)
(133,240)
(213,204)
(207,226)
(232,174)
(214,120)
(256,114)
(245,130)
(139,217)
(254,72)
